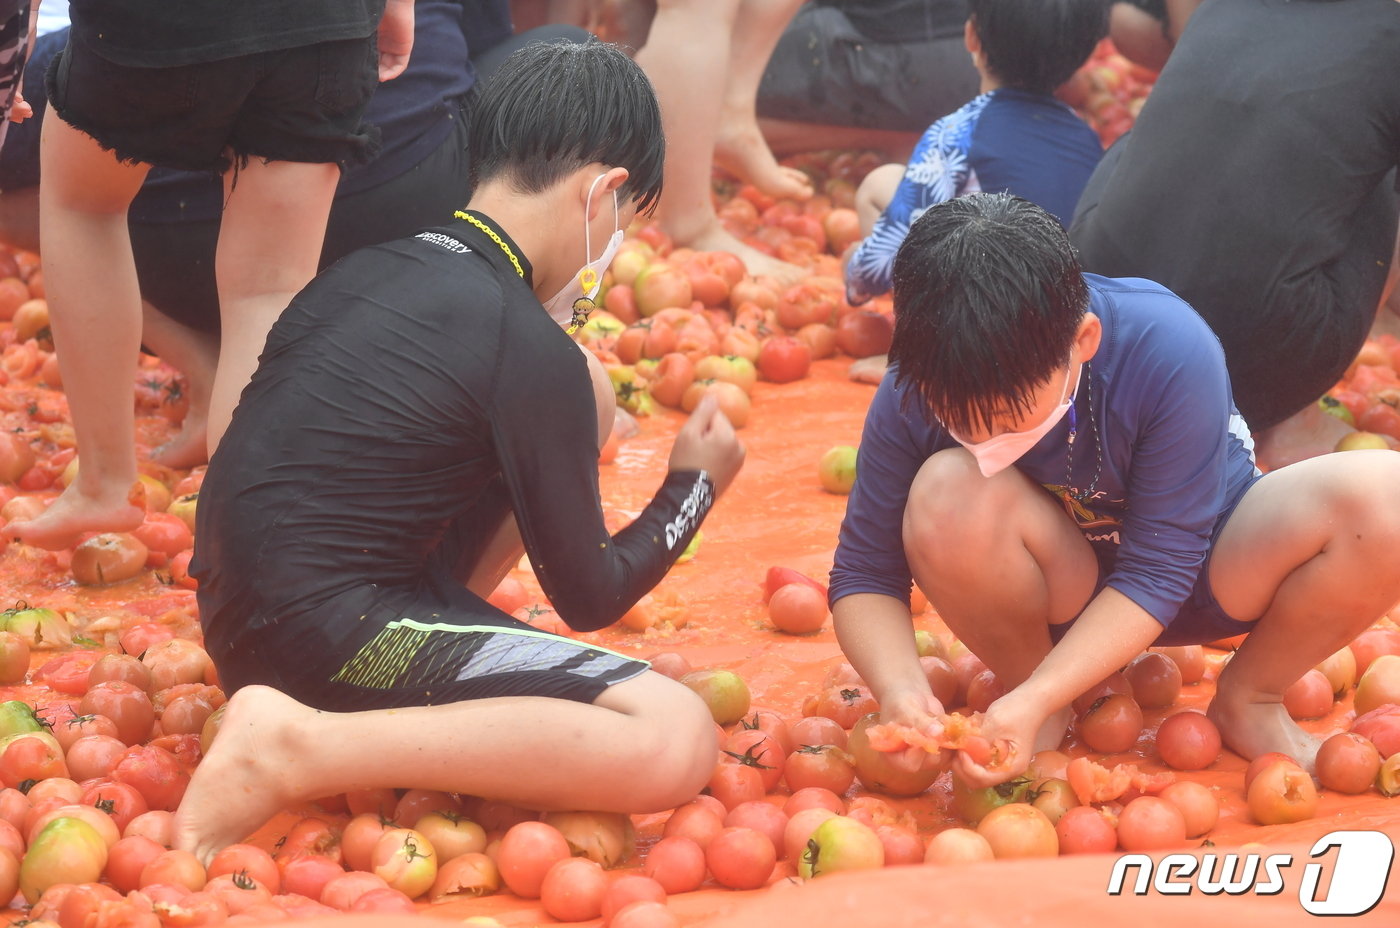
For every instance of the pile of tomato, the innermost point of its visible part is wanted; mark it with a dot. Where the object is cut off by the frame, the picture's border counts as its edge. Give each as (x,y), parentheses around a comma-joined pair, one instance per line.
(1109,91)
(1368,396)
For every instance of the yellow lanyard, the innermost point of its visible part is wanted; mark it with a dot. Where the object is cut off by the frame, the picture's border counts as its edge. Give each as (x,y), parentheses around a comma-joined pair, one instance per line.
(582,306)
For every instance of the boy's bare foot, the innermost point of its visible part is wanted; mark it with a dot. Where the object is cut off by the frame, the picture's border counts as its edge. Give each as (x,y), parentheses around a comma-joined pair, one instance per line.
(716,238)
(243,780)
(741,150)
(74,514)
(1304,435)
(189,448)
(1251,726)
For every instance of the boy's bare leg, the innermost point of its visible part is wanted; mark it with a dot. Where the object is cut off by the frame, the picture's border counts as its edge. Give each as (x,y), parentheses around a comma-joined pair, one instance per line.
(90,278)
(194,354)
(739,145)
(689,76)
(1000,561)
(875,193)
(269,245)
(644,745)
(1310,554)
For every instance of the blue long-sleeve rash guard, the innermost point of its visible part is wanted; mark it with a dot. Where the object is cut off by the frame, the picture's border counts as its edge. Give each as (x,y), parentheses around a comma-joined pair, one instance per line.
(1005,141)
(1176,456)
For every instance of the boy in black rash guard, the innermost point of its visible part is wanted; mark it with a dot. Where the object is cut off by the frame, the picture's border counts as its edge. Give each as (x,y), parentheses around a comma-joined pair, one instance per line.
(416,404)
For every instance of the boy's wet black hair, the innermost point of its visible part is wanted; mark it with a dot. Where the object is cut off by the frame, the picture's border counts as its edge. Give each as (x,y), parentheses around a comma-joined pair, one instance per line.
(553,107)
(1037,45)
(988,297)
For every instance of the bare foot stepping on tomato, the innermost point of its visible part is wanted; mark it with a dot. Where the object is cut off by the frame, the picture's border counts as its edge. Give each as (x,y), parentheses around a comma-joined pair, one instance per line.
(244,779)
(74,514)
(741,150)
(1251,726)
(189,448)
(716,238)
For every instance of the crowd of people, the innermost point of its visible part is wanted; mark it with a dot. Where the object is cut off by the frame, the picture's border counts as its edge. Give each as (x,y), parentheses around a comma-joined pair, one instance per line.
(364,229)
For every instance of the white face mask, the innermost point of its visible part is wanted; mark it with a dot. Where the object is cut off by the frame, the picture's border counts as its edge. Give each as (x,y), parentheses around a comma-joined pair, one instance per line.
(1001,451)
(585,284)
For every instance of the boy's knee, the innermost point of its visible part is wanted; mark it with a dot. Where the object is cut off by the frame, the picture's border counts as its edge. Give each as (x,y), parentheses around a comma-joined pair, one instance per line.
(685,752)
(945,492)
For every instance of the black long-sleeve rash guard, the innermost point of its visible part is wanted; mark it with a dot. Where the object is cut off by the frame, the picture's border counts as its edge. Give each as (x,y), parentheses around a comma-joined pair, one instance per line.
(415,392)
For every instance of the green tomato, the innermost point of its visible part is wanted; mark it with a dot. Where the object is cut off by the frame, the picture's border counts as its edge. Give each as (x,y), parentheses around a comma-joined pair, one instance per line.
(1335,407)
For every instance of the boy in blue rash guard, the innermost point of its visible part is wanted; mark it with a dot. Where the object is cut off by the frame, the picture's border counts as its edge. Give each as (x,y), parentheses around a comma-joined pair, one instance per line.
(1015,137)
(1057,461)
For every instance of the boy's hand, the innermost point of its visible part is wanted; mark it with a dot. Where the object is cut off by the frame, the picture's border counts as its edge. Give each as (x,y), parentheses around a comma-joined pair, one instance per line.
(395,38)
(707,442)
(918,710)
(1010,725)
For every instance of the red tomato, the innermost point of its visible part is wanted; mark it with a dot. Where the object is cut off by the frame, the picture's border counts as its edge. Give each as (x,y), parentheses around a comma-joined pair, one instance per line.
(67,673)
(845,704)
(1086,830)
(127,858)
(527,852)
(1018,830)
(108,558)
(1348,763)
(164,533)
(137,639)
(864,333)
(824,766)
(249,860)
(1190,660)
(813,797)
(694,823)
(1382,418)
(357,841)
(31,756)
(126,704)
(628,889)
(1197,805)
(342,891)
(1111,725)
(156,824)
(1150,823)
(753,747)
(68,728)
(677,863)
(174,868)
(1113,683)
(123,803)
(644,914)
(1188,741)
(1310,697)
(124,667)
(818,729)
(175,661)
(94,756)
(779,577)
(763,817)
(405,860)
(1282,793)
(1155,680)
(733,783)
(238,893)
(573,889)
(798,609)
(311,835)
(1381,727)
(155,774)
(783,359)
(741,858)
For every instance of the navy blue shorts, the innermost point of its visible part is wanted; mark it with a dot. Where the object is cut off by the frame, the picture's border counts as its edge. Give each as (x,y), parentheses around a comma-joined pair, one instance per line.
(1201,619)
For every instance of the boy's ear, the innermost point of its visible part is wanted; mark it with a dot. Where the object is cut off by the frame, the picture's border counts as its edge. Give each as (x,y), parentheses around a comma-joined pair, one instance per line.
(602,190)
(971,40)
(1087,339)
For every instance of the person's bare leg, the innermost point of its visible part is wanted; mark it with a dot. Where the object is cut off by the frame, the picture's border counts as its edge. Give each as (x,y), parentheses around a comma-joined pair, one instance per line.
(19,218)
(194,354)
(875,193)
(95,306)
(787,137)
(1310,554)
(1000,561)
(739,145)
(644,745)
(689,77)
(269,245)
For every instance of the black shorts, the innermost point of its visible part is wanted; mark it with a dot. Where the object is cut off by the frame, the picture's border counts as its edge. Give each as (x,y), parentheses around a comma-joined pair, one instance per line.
(299,104)
(428,644)
(175,260)
(824,71)
(1201,619)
